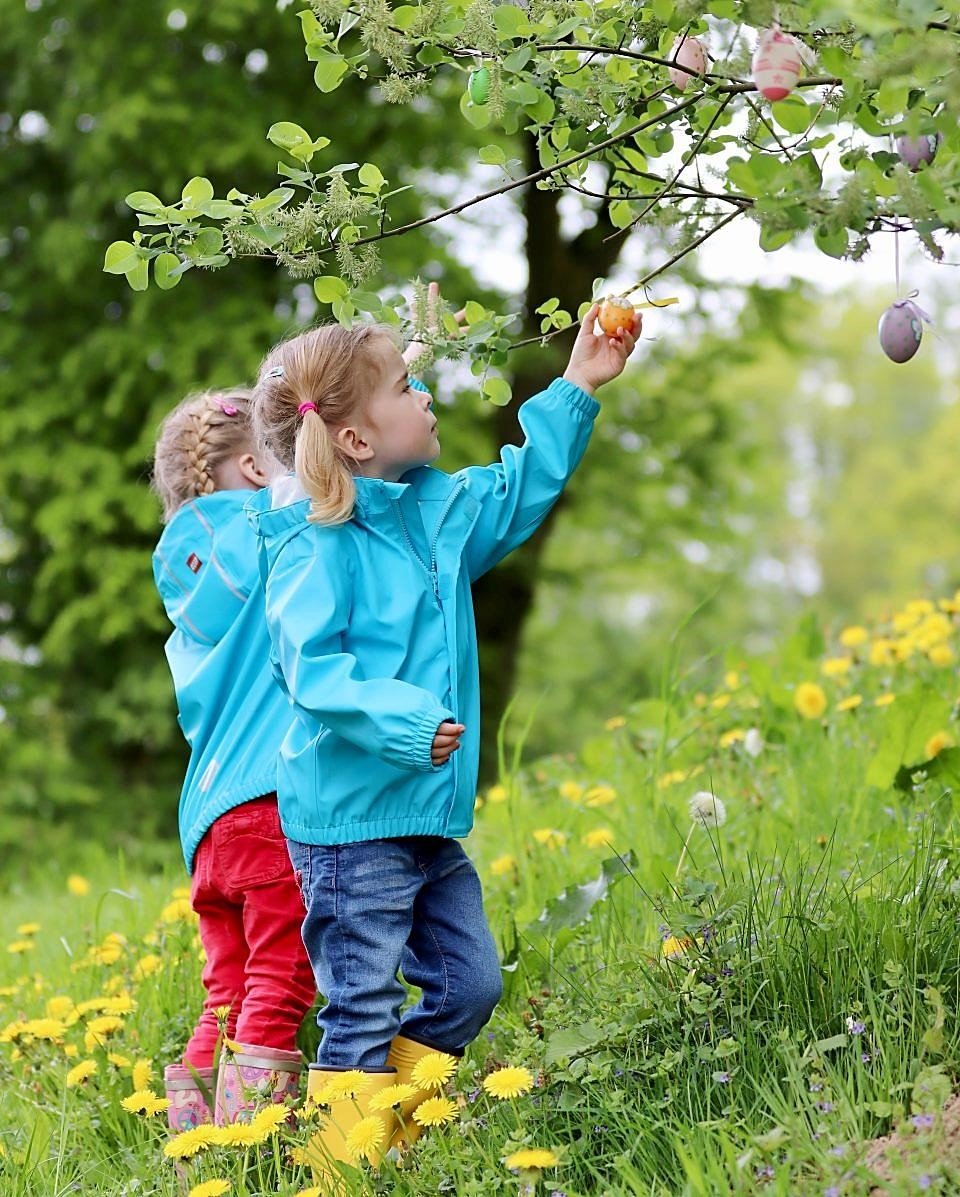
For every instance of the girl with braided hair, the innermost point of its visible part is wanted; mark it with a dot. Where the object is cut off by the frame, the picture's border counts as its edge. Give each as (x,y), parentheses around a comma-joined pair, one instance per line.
(234,717)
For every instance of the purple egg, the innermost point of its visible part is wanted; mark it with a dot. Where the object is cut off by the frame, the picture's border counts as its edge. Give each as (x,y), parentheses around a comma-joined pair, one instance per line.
(901,330)
(915,152)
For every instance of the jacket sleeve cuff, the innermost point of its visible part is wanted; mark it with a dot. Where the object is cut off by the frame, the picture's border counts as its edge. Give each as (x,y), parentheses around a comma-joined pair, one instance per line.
(423,740)
(574,397)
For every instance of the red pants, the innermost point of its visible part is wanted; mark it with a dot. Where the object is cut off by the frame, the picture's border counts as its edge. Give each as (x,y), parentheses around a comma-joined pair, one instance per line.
(250,912)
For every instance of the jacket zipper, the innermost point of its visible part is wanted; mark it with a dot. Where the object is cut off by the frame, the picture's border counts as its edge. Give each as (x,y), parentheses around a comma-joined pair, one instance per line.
(429,568)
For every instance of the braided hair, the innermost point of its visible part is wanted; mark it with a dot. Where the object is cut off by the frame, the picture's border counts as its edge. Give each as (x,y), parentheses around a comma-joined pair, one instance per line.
(200,433)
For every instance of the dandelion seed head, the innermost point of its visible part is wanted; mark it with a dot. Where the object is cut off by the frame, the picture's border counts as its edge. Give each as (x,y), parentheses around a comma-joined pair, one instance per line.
(707,809)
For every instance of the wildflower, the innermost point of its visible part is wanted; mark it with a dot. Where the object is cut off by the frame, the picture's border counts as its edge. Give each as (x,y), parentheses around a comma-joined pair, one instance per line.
(731,679)
(314,1191)
(937,743)
(850,703)
(28,928)
(599,796)
(435,1111)
(179,910)
(393,1095)
(189,1142)
(720,702)
(77,885)
(881,651)
(854,636)
(508,1082)
(433,1071)
(855,1026)
(239,1134)
(19,946)
(941,654)
(501,865)
(142,1074)
(734,736)
(81,1073)
(571,790)
(117,1060)
(722,1078)
(269,1120)
(671,777)
(918,607)
(530,1158)
(810,700)
(497,794)
(51,1029)
(222,1015)
(549,837)
(599,837)
(707,810)
(922,1121)
(365,1138)
(836,666)
(71,1051)
(146,966)
(210,1188)
(59,1006)
(753,743)
(347,1084)
(672,946)
(615,723)
(884,700)
(144,1101)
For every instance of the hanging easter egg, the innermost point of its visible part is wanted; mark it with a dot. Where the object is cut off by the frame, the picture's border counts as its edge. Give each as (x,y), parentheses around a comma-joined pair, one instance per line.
(777,63)
(618,313)
(901,330)
(687,53)
(478,85)
(915,152)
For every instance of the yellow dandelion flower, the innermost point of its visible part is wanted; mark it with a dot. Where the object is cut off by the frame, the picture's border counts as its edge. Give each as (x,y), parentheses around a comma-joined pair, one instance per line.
(144,1101)
(854,636)
(180,891)
(81,1073)
(599,837)
(502,864)
(433,1071)
(435,1111)
(571,790)
(59,1006)
(731,679)
(600,796)
(671,778)
(919,607)
(720,702)
(51,1029)
(497,794)
(347,1084)
(903,621)
(142,1074)
(270,1118)
(734,736)
(210,1188)
(941,654)
(836,666)
(881,651)
(105,953)
(615,723)
(673,946)
(189,1142)
(121,1003)
(529,1159)
(28,928)
(117,1060)
(903,649)
(937,742)
(105,1024)
(71,1051)
(19,946)
(365,1138)
(549,837)
(810,700)
(77,885)
(884,700)
(508,1082)
(239,1134)
(146,966)
(177,911)
(850,703)
(222,1015)
(393,1095)
(315,1191)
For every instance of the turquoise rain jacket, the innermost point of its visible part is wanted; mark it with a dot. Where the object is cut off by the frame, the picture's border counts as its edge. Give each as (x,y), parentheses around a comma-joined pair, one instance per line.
(373,629)
(231,710)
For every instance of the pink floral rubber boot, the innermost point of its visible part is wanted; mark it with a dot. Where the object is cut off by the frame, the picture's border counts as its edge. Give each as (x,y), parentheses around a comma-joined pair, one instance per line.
(250,1077)
(190,1093)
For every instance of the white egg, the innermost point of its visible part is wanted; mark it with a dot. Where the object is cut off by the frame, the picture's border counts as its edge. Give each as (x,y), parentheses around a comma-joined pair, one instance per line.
(687,52)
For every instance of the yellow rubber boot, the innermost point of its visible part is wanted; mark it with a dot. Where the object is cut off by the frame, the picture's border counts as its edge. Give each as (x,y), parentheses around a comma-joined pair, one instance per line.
(346,1097)
(404,1055)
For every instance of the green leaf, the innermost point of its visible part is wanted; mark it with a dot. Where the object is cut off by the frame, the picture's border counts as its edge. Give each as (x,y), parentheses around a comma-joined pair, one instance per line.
(144,201)
(272,201)
(329,71)
(908,725)
(329,288)
(492,155)
(772,239)
(573,906)
(497,391)
(198,191)
(370,176)
(139,276)
(163,267)
(292,138)
(830,242)
(571,1042)
(510,20)
(792,114)
(120,257)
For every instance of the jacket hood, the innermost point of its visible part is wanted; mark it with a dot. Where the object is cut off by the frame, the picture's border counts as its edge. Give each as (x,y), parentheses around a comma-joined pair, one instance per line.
(203,567)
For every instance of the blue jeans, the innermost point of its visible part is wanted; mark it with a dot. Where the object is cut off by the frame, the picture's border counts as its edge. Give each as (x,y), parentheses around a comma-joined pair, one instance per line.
(376,908)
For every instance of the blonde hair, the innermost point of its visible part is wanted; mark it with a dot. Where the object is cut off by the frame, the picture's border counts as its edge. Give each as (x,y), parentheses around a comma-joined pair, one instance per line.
(334,368)
(201,433)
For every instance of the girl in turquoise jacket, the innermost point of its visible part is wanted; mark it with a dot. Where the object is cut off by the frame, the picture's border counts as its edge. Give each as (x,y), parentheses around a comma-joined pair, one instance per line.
(234,717)
(369,555)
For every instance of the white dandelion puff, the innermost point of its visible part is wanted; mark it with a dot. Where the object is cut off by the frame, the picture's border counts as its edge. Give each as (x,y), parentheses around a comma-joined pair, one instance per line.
(707,809)
(753,743)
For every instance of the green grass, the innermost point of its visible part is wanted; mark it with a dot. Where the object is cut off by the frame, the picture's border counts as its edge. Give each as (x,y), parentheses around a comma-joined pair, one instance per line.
(810,1008)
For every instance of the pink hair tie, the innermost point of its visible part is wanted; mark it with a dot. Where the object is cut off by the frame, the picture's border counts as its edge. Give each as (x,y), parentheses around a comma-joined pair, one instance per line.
(227,408)
(305,407)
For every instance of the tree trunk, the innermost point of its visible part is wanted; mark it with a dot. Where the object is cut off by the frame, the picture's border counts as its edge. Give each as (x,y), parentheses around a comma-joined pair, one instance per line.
(504,599)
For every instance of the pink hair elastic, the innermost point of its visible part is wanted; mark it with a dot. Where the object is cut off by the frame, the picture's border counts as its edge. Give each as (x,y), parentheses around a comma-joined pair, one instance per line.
(227,408)
(305,407)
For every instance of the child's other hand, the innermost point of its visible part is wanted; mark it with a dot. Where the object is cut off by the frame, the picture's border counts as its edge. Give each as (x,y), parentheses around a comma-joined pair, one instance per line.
(446,742)
(598,359)
(416,349)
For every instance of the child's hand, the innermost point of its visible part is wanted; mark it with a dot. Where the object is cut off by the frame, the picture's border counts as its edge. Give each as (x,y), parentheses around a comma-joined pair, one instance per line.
(416,349)
(446,742)
(598,359)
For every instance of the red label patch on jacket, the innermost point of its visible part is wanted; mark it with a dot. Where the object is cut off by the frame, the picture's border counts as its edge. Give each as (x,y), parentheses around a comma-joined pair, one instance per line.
(194,563)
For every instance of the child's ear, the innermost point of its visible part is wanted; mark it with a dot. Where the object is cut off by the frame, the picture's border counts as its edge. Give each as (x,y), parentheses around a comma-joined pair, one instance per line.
(351,443)
(252,467)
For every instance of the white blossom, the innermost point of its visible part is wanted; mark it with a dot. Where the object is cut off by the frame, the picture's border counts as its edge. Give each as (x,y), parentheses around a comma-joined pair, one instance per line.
(707,810)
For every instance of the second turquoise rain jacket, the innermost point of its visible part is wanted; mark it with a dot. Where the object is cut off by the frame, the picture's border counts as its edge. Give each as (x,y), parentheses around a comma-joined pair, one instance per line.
(373,629)
(231,710)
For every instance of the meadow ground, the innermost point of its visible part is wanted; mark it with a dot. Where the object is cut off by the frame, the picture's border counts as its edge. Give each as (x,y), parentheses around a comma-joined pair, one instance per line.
(750,995)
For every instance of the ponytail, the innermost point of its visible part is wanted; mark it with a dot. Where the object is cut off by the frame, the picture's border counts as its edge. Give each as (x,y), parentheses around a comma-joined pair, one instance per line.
(323,472)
